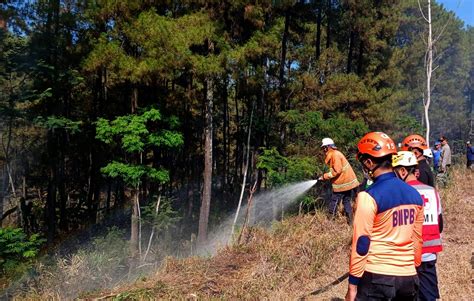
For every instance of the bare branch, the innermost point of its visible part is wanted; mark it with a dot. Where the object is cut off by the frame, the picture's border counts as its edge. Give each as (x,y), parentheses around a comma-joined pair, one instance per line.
(421,11)
(439,56)
(423,38)
(442,30)
(446,24)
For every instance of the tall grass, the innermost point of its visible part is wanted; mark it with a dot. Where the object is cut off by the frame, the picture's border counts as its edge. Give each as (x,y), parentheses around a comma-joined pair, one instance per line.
(287,261)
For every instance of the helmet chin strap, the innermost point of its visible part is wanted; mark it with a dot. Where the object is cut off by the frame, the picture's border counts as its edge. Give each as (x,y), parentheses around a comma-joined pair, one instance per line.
(420,151)
(370,172)
(404,178)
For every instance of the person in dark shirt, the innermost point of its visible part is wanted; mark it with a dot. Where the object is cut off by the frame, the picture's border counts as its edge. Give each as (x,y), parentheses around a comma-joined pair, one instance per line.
(417,144)
(470,155)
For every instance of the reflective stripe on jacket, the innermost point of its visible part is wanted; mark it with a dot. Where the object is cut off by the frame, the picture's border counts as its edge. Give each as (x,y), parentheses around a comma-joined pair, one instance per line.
(341,174)
(432,209)
(388,223)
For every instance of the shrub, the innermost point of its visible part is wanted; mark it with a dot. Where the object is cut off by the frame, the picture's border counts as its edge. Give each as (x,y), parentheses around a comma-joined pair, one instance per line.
(281,170)
(17,248)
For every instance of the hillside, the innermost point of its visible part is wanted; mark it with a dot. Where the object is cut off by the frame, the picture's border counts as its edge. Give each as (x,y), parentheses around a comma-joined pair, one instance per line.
(299,255)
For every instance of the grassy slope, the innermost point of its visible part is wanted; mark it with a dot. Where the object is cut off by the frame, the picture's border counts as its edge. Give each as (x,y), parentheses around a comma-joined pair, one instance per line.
(301,254)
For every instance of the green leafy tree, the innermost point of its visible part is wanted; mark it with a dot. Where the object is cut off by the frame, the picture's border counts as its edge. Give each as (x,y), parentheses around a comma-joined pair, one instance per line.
(138,135)
(16,248)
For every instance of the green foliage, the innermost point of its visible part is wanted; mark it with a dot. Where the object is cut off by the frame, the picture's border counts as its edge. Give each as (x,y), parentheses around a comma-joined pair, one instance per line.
(137,294)
(451,82)
(135,136)
(133,174)
(166,217)
(407,126)
(55,123)
(270,159)
(16,247)
(166,44)
(108,250)
(311,126)
(281,170)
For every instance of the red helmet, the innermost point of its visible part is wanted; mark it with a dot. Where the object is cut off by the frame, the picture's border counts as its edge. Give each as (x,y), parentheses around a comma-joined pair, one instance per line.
(376,144)
(413,141)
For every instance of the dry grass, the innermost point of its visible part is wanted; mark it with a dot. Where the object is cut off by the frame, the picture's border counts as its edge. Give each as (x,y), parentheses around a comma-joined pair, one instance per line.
(293,258)
(299,255)
(455,264)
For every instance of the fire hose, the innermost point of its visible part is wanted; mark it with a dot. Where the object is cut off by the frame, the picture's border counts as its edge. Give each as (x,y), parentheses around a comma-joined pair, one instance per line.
(327,287)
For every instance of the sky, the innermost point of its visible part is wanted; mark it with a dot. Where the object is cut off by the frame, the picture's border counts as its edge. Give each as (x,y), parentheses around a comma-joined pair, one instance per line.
(464,9)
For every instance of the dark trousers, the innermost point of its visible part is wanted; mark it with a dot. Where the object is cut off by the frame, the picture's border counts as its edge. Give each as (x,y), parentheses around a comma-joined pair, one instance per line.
(376,287)
(428,281)
(346,197)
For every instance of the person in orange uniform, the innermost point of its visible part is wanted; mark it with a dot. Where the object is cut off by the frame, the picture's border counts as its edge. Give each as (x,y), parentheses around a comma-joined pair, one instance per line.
(404,164)
(388,220)
(417,145)
(343,178)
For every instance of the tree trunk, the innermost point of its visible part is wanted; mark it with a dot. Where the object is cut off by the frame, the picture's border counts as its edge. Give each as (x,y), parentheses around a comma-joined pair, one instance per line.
(225,135)
(429,70)
(207,175)
(247,155)
(50,212)
(134,224)
(63,223)
(237,143)
(361,58)
(283,105)
(90,188)
(107,201)
(329,20)
(318,31)
(134,100)
(2,188)
(52,24)
(135,200)
(350,53)
(284,45)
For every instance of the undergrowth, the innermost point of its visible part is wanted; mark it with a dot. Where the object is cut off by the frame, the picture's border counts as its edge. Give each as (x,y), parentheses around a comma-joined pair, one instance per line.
(286,261)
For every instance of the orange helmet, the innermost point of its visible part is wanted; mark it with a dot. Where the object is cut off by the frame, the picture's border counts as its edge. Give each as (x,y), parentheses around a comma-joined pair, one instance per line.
(376,144)
(414,141)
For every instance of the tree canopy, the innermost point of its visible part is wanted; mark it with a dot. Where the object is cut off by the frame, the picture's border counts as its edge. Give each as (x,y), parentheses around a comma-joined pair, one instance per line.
(103,102)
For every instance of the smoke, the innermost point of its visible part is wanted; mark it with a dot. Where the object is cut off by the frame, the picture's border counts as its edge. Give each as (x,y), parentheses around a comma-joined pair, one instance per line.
(265,207)
(103,262)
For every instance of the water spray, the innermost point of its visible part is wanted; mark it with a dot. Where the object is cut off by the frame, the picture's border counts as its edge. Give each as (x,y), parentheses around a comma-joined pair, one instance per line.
(263,208)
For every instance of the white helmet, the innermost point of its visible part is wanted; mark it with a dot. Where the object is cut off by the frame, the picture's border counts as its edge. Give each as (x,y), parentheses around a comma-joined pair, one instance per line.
(327,142)
(428,153)
(404,158)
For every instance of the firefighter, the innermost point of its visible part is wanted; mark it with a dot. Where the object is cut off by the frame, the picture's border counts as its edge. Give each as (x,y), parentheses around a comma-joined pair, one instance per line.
(417,145)
(342,176)
(404,164)
(386,242)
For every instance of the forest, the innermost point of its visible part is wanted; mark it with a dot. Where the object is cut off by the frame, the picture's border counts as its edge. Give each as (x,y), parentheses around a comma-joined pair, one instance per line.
(110,110)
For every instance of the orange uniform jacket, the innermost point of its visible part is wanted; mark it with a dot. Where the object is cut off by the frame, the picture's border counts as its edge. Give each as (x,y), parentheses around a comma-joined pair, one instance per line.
(388,224)
(341,174)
